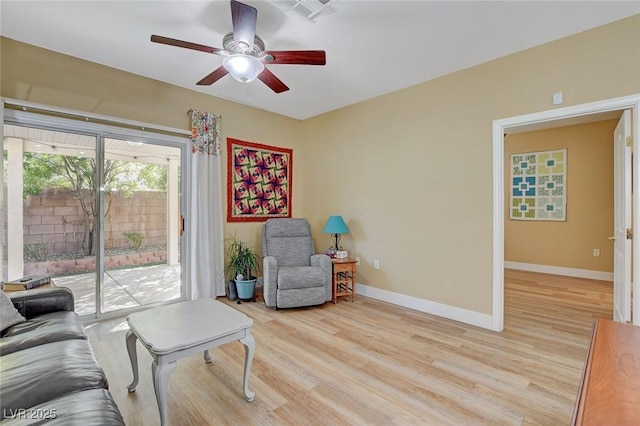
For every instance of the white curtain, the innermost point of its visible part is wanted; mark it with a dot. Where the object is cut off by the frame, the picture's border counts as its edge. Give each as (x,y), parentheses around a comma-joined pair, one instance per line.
(206,262)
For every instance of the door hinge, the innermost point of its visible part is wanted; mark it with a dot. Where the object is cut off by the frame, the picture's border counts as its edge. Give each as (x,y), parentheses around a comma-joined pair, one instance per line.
(629,234)
(181,225)
(629,141)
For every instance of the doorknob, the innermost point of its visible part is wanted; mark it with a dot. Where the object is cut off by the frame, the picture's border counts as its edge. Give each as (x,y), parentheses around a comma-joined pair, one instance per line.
(611,238)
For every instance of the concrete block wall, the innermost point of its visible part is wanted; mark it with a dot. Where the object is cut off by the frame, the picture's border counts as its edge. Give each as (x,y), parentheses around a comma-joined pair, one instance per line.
(144,212)
(55,218)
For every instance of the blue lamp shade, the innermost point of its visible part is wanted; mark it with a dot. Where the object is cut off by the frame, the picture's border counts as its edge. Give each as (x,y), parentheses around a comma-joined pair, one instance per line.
(335,226)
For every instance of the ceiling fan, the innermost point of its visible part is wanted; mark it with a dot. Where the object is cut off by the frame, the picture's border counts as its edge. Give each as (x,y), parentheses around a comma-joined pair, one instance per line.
(244,52)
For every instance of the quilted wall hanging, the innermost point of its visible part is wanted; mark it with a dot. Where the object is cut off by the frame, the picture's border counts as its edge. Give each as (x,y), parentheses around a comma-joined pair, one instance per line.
(539,185)
(259,181)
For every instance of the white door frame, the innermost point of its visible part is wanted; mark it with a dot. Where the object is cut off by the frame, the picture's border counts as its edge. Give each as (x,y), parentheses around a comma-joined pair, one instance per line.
(631,102)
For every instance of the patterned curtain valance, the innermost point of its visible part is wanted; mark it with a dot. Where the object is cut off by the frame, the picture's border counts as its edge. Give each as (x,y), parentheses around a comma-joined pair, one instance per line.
(205,132)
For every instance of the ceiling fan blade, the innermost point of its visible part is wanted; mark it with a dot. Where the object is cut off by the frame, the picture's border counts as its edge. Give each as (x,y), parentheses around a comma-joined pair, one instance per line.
(216,75)
(185,44)
(274,83)
(297,57)
(244,23)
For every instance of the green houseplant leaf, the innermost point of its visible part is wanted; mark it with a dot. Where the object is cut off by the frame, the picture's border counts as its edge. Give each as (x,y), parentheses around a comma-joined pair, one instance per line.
(241,259)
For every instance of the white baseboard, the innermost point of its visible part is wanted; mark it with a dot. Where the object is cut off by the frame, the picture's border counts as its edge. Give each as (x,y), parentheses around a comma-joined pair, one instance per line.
(558,270)
(427,306)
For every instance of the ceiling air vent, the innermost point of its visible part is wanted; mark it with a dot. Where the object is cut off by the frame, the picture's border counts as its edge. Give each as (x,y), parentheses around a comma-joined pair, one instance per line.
(310,9)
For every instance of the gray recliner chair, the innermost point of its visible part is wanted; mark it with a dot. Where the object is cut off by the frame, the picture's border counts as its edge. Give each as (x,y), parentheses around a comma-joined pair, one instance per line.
(293,275)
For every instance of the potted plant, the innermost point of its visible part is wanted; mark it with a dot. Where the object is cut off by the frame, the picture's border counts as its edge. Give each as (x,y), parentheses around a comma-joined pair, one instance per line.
(241,267)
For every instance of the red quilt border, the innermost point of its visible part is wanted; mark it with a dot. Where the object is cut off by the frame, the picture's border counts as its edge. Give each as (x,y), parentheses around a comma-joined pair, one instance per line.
(230,143)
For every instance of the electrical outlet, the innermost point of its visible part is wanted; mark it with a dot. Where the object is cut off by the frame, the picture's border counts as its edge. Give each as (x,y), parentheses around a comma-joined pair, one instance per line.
(596,252)
(376,264)
(357,261)
(557,98)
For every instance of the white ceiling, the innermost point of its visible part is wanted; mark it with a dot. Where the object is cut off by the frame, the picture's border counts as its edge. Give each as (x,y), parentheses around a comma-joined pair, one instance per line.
(373,47)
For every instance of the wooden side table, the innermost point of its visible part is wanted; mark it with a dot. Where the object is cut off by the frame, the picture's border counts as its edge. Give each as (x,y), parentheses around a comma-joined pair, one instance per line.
(344,278)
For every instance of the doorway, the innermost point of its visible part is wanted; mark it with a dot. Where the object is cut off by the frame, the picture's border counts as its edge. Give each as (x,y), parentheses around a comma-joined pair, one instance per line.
(568,115)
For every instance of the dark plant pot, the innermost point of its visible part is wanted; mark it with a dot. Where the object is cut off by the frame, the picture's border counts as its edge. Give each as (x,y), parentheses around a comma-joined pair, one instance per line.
(232,293)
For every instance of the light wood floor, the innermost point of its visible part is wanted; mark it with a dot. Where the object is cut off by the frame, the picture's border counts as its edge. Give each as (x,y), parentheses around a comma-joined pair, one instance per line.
(372,363)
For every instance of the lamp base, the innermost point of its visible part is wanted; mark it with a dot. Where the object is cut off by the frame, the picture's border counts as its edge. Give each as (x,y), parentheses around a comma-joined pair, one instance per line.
(336,241)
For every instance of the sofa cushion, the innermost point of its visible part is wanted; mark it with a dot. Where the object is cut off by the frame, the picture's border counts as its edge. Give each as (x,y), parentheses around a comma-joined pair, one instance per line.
(38,374)
(94,407)
(53,327)
(42,300)
(290,277)
(9,315)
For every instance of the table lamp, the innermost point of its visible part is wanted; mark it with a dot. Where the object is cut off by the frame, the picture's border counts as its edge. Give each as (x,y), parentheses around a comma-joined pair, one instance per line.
(335,226)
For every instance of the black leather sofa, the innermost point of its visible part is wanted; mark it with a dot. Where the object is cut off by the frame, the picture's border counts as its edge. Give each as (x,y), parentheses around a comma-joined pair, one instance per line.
(48,372)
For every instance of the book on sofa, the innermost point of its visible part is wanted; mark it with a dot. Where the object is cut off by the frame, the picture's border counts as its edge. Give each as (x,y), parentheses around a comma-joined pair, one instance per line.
(27,283)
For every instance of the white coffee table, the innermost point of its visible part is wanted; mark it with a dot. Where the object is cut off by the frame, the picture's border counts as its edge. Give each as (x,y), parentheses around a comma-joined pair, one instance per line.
(182,329)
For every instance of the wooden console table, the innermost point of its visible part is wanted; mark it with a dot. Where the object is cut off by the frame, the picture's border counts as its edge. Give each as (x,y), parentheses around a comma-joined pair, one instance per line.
(609,391)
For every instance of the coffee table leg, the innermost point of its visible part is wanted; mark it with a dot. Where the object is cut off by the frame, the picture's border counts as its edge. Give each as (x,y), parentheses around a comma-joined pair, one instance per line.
(207,357)
(161,372)
(249,348)
(133,357)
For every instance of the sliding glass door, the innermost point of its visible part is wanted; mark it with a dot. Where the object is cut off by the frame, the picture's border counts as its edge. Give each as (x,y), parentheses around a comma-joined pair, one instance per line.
(50,207)
(141,224)
(99,214)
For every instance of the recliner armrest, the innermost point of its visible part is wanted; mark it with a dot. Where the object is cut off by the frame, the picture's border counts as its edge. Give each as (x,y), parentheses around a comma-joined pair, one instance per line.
(323,261)
(39,301)
(269,280)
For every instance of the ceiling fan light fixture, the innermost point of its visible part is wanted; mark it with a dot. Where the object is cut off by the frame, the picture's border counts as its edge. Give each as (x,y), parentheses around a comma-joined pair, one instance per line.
(244,54)
(244,68)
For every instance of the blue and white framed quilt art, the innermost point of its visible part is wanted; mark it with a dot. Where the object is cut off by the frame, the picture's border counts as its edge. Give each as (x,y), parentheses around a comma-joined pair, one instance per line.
(539,186)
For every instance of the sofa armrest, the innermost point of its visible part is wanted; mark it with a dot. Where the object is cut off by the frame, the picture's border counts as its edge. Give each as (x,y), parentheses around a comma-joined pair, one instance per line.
(323,261)
(269,280)
(39,301)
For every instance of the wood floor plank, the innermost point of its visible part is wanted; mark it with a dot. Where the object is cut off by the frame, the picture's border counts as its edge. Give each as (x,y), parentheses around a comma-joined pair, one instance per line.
(373,363)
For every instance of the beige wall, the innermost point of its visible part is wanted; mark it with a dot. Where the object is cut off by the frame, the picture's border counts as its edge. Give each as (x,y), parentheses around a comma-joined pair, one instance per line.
(411,172)
(47,77)
(589,221)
